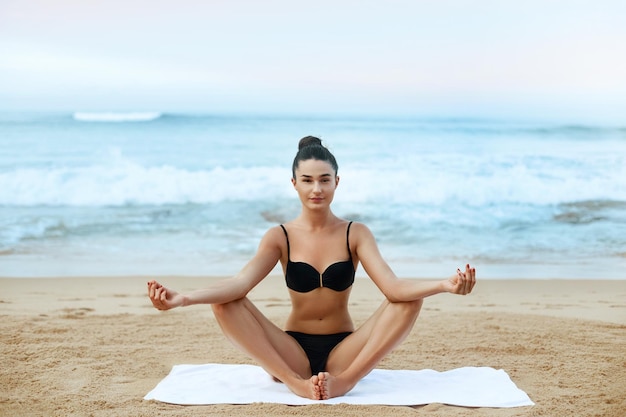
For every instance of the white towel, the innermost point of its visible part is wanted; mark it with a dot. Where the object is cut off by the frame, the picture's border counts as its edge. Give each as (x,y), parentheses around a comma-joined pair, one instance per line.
(246,384)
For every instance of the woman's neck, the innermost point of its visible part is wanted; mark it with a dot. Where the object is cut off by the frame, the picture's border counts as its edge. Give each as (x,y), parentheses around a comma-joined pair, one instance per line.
(317,219)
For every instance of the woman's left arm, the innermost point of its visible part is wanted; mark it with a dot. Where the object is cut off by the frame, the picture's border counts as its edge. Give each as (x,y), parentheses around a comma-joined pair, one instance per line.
(400,290)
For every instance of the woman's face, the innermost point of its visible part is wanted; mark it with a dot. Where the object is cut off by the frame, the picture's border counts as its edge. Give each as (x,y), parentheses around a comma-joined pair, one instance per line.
(315,183)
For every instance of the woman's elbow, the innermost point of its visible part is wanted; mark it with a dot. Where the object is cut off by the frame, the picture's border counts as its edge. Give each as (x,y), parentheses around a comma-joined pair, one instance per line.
(395,296)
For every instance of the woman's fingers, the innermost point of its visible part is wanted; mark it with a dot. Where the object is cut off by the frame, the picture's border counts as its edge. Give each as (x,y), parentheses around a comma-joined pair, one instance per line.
(465,280)
(460,282)
(157,294)
(161,295)
(470,274)
(468,279)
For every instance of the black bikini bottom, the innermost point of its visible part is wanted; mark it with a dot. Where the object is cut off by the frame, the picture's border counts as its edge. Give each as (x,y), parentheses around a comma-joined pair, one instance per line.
(317,347)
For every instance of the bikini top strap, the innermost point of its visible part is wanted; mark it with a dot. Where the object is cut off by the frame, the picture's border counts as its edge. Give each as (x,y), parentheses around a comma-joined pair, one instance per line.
(287,237)
(347,240)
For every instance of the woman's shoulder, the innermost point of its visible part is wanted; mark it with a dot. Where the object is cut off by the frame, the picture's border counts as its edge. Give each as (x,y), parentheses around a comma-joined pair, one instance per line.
(360,233)
(358,227)
(273,240)
(275,231)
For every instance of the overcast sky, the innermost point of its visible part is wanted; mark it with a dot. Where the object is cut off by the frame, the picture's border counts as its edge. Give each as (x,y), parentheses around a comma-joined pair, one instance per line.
(530,58)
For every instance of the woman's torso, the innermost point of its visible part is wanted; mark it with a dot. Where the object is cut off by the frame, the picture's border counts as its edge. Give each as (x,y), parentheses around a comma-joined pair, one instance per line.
(319,269)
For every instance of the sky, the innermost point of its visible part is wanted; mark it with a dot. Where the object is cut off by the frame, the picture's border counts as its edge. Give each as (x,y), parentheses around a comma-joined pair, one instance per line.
(563,59)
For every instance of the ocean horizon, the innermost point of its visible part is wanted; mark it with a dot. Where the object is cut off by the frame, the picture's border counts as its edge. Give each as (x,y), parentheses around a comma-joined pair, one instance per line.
(157,193)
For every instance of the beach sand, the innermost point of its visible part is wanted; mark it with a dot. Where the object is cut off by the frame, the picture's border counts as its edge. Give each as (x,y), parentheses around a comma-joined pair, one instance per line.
(96,346)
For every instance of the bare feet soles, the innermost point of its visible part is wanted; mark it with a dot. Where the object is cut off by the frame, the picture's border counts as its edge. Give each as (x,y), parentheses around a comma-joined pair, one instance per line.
(316,387)
(322,386)
(330,386)
(307,388)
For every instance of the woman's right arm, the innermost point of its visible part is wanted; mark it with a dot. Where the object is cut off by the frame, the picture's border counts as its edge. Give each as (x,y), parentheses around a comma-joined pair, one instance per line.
(224,291)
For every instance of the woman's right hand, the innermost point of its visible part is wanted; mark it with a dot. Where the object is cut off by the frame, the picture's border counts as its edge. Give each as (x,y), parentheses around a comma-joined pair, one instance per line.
(163,298)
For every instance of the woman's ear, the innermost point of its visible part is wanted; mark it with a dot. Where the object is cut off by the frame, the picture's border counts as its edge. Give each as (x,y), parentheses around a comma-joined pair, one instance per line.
(336,180)
(293,181)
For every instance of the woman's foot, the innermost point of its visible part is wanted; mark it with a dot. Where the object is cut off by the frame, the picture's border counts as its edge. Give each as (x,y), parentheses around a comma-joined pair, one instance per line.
(331,386)
(306,388)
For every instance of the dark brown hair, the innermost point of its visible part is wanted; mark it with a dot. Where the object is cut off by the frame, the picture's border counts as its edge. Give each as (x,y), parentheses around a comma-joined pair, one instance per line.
(311,147)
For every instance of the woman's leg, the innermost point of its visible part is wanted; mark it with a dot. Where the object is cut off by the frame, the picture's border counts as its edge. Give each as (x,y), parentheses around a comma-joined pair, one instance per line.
(359,353)
(277,352)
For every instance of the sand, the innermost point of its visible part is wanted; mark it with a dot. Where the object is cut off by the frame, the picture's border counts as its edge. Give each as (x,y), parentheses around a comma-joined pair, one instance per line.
(95,346)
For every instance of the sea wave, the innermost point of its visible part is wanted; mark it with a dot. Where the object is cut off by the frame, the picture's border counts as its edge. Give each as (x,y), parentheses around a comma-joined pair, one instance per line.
(470,127)
(122,181)
(116,116)
(128,183)
(29,228)
(401,125)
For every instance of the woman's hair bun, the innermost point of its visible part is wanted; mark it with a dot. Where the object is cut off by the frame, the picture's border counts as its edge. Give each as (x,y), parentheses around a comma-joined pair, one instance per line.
(311,147)
(309,141)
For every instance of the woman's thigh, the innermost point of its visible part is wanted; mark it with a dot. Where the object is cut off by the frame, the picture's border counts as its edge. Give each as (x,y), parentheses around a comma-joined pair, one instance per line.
(344,353)
(285,345)
(379,335)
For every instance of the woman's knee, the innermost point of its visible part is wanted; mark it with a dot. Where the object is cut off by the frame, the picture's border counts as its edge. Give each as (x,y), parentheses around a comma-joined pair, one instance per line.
(411,308)
(221,310)
(416,305)
(218,310)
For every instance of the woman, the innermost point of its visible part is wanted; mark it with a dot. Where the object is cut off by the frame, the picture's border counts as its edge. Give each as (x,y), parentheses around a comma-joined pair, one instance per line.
(320,355)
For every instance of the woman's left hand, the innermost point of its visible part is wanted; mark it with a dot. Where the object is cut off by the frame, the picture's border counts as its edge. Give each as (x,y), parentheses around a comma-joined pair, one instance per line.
(463,282)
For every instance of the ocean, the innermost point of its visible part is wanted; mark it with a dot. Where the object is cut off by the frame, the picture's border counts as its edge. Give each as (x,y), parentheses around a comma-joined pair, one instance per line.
(106,194)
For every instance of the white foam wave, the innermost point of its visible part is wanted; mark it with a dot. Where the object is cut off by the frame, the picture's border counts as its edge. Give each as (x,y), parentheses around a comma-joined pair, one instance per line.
(120,181)
(441,184)
(116,117)
(124,182)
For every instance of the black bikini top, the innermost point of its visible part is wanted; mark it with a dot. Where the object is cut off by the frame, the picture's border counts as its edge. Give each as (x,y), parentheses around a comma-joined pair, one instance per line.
(302,277)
